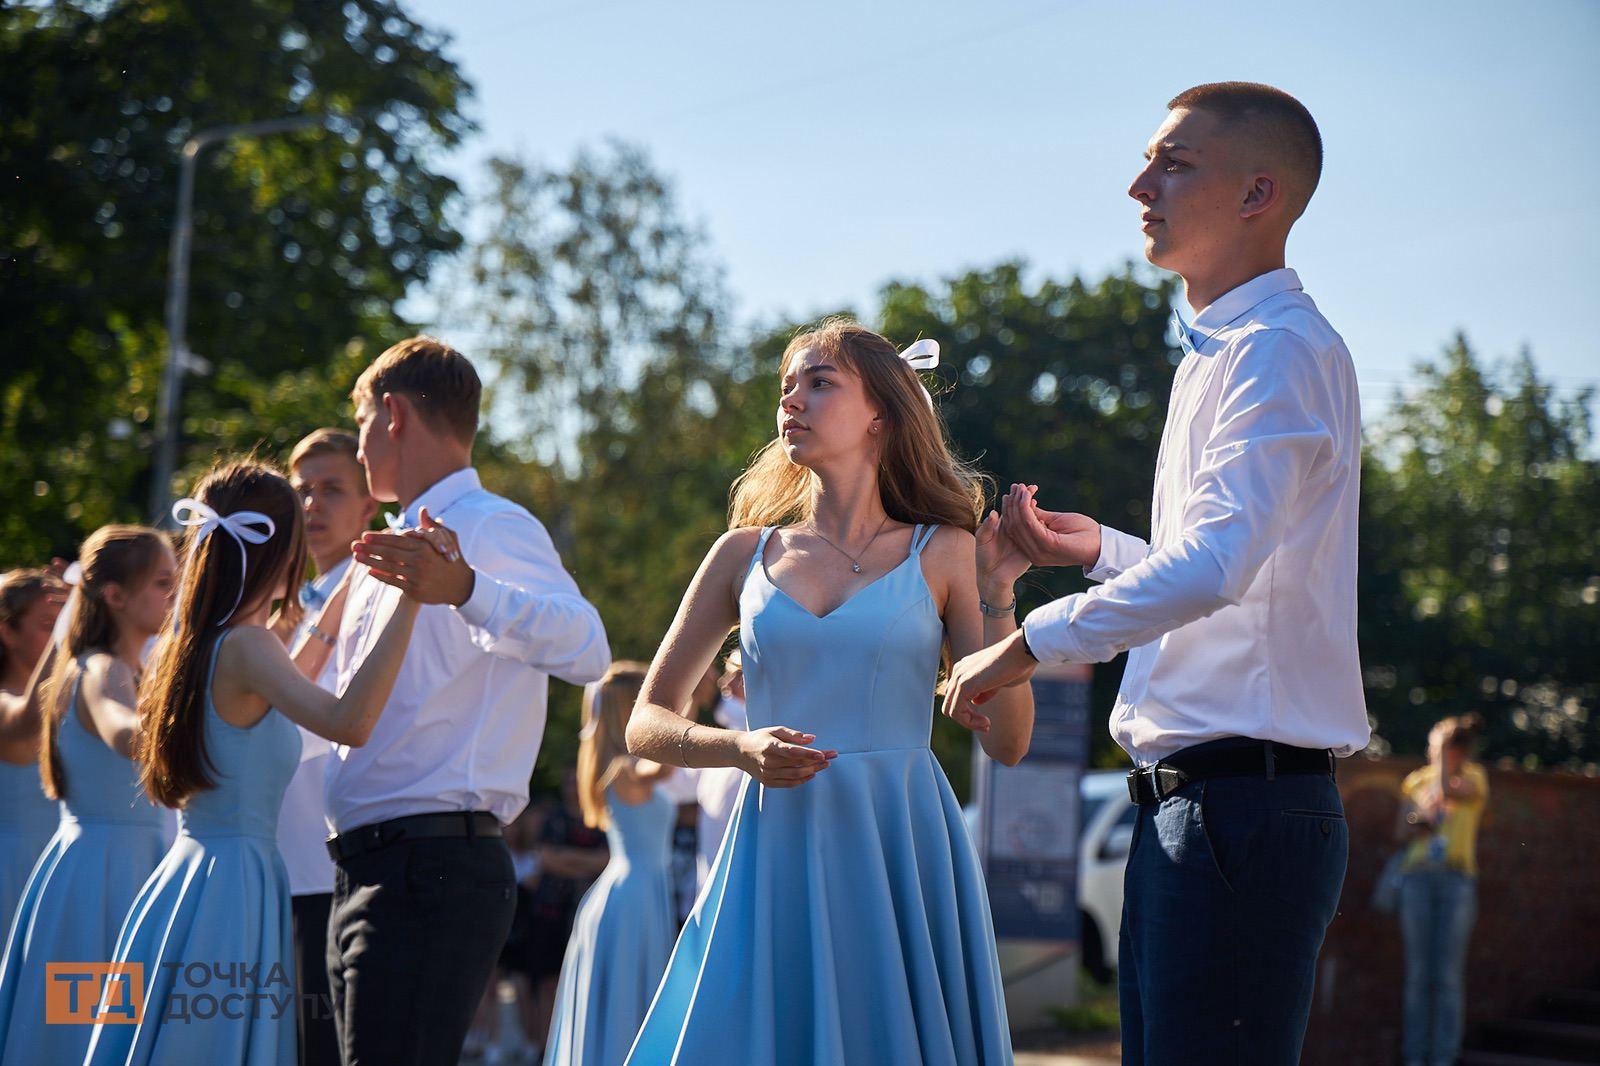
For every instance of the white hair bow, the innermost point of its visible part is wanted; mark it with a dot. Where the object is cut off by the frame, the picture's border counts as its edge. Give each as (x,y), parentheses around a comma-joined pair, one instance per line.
(252,526)
(923,355)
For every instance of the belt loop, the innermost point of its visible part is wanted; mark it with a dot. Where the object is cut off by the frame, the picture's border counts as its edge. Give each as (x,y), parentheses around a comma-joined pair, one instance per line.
(472,826)
(1272,760)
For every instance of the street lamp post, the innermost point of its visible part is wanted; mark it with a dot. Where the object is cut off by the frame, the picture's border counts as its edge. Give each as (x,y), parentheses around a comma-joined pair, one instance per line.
(178,297)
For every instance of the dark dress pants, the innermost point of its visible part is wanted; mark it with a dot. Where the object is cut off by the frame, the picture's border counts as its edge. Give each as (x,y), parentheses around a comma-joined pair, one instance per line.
(1231,883)
(414,933)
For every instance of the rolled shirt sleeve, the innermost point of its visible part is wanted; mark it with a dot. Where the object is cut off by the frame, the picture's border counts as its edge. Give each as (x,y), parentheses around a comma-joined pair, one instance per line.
(1272,429)
(525,606)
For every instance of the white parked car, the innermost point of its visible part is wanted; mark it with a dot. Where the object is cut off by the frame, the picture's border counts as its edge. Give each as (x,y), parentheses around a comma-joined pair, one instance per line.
(1108,819)
(1107,832)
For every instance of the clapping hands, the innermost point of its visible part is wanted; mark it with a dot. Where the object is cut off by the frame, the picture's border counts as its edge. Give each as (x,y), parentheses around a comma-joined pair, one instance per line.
(425,563)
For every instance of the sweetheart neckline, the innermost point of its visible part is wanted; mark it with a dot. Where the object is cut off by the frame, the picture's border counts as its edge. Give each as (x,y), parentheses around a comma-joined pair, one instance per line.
(848,600)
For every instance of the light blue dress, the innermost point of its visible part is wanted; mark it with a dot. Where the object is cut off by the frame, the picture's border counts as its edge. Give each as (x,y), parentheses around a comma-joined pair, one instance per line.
(845,920)
(28,818)
(220,898)
(620,941)
(107,842)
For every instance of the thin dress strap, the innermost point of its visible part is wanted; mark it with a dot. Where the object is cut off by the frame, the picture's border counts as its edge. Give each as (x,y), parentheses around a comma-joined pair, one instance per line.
(920,539)
(761,549)
(211,668)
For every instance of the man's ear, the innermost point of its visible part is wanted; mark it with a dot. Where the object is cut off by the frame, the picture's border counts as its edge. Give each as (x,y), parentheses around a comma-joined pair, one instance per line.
(398,411)
(1260,196)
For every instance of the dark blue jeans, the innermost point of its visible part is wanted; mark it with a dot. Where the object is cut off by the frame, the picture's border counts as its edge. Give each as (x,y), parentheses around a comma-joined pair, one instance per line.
(1230,886)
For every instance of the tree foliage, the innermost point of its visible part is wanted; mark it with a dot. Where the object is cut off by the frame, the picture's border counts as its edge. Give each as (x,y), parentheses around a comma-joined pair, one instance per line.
(303,241)
(1480,562)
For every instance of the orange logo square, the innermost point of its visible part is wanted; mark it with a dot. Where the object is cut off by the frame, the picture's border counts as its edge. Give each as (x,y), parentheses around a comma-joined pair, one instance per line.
(83,993)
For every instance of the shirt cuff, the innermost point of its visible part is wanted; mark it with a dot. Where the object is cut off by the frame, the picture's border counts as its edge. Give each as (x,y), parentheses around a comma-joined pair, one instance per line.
(1119,551)
(485,597)
(1048,631)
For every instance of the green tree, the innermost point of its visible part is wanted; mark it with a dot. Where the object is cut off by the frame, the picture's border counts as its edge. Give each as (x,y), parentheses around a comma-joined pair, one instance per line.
(303,241)
(1480,586)
(623,410)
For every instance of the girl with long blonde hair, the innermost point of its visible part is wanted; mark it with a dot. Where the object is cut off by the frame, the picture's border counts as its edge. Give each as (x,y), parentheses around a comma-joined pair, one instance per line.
(845,919)
(624,928)
(109,836)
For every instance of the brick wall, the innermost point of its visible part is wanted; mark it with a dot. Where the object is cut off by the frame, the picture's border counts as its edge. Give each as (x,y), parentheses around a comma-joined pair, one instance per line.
(1538,909)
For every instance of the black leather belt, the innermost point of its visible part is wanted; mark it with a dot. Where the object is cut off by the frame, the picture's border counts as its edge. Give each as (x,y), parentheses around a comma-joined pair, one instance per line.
(1228,757)
(378,835)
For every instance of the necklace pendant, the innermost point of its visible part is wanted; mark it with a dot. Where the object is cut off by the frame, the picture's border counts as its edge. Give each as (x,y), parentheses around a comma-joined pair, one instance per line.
(855,567)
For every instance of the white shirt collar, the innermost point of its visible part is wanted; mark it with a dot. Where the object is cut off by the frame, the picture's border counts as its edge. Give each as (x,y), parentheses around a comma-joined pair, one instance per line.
(442,493)
(325,581)
(1236,301)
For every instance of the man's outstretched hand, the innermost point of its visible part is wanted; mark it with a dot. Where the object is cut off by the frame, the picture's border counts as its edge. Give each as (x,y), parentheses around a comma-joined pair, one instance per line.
(975,679)
(1049,538)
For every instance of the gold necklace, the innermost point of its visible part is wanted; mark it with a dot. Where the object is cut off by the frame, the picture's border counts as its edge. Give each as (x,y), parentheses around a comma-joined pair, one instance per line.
(855,560)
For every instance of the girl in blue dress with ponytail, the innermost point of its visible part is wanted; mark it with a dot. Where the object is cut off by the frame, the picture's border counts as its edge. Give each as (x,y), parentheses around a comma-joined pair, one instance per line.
(845,919)
(220,744)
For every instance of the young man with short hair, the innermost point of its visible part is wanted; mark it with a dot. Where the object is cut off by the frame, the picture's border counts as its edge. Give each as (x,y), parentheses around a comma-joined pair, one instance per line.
(1239,614)
(332,485)
(425,888)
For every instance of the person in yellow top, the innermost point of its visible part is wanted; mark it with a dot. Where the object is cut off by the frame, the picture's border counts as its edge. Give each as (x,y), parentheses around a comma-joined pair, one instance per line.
(1442,804)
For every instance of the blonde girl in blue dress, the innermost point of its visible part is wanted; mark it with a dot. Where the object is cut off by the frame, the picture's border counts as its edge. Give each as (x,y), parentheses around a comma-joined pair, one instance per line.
(625,924)
(845,919)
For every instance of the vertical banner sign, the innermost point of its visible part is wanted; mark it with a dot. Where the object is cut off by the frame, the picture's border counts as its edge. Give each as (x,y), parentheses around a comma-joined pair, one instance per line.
(1029,814)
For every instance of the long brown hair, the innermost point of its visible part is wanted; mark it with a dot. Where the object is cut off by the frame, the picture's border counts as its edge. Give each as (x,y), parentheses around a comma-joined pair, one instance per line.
(603,745)
(919,477)
(113,555)
(20,589)
(172,756)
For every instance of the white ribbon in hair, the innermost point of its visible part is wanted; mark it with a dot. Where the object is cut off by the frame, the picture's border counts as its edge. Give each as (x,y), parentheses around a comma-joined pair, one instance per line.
(923,355)
(252,526)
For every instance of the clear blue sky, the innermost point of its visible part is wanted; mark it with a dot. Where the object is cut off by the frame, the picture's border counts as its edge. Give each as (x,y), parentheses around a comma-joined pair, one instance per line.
(827,147)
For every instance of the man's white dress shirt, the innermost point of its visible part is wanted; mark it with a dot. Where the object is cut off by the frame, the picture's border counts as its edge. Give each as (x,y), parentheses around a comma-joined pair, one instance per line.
(302,821)
(462,727)
(1239,615)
